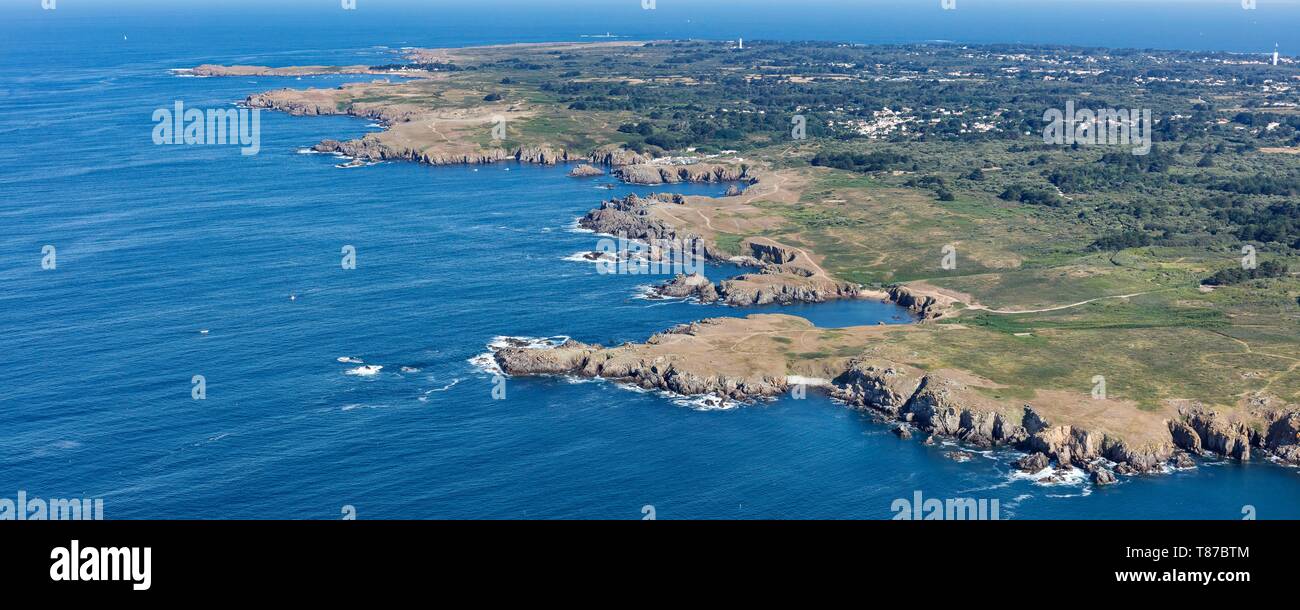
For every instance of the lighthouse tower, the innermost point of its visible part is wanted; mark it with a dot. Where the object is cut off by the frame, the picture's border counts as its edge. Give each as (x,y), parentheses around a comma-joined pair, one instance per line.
(1275,53)
(741,46)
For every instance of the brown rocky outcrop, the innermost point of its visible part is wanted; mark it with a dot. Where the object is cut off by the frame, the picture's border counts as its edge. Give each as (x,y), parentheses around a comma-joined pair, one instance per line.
(783,288)
(580,359)
(1101,476)
(946,407)
(616,156)
(686,286)
(1202,430)
(1033,463)
(630,217)
(926,307)
(586,171)
(672,174)
(885,387)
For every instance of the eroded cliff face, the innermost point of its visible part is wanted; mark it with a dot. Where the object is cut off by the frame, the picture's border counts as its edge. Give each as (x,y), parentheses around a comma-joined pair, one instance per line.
(783,275)
(947,407)
(370,148)
(940,403)
(783,288)
(637,367)
(630,217)
(616,156)
(380,147)
(926,307)
(642,173)
(1272,432)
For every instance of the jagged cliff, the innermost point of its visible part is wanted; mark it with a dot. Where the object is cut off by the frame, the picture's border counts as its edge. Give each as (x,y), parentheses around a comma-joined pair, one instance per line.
(1272,432)
(371,148)
(670,174)
(940,403)
(649,372)
(783,275)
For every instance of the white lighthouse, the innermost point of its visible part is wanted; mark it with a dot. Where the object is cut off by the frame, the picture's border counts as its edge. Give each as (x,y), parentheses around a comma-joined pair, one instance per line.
(740,45)
(1275,53)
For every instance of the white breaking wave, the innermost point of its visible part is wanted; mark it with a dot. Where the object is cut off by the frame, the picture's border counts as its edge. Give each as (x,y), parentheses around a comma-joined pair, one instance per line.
(586,257)
(500,342)
(357,405)
(708,402)
(574,227)
(349,360)
(1073,477)
(367,370)
(487,363)
(425,396)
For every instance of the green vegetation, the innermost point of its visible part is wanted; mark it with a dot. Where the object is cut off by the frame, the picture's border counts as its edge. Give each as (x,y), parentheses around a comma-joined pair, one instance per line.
(1071,260)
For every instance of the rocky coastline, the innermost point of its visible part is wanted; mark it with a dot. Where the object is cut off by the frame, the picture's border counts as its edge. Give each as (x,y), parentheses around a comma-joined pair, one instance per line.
(629,166)
(652,174)
(781,276)
(933,403)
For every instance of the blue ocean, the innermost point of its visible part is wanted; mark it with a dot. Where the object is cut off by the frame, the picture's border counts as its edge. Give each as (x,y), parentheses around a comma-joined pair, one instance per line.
(183,261)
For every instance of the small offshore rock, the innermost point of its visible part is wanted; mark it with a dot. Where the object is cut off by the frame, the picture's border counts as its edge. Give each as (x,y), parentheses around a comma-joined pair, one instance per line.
(1034,462)
(585,171)
(903,432)
(1101,476)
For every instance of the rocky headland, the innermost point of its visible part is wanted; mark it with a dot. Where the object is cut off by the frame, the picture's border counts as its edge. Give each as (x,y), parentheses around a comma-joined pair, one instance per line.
(436,120)
(940,403)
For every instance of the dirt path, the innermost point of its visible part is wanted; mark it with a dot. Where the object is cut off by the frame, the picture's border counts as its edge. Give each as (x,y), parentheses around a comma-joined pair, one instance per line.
(1058,307)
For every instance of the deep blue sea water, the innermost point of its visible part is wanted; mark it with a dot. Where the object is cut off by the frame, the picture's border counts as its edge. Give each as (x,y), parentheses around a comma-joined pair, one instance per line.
(156,243)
